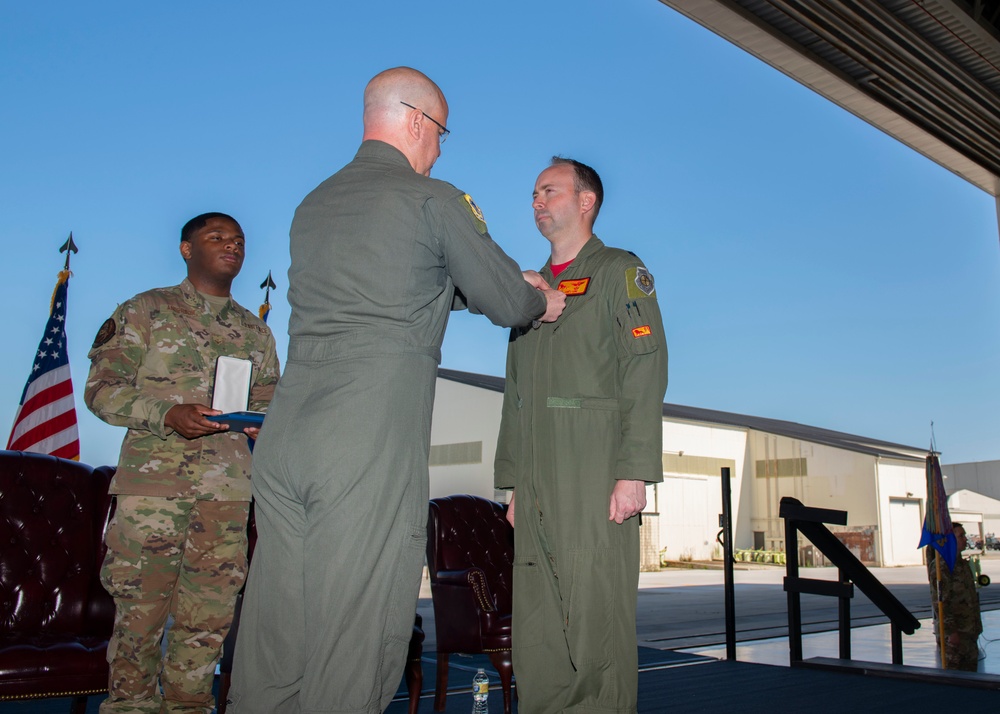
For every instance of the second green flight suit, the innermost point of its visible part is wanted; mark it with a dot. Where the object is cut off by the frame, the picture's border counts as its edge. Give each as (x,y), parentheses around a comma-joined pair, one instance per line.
(340,471)
(583,407)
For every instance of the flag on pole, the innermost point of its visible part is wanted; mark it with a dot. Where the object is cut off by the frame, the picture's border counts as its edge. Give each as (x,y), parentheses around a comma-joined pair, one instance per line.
(46,418)
(937,531)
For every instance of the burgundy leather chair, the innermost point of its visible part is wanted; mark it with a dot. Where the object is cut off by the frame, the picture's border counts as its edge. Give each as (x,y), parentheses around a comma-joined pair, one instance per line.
(470,558)
(55,616)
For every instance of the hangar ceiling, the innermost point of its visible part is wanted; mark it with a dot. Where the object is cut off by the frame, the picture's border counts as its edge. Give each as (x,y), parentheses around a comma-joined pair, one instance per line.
(924,71)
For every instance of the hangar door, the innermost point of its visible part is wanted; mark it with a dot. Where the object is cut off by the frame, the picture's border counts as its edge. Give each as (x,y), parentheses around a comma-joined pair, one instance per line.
(905,524)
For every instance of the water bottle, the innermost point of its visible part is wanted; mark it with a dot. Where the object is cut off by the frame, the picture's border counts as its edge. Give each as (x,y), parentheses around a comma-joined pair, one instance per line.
(480,693)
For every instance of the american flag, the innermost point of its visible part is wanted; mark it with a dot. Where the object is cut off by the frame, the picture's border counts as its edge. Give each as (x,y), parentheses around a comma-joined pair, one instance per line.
(46,418)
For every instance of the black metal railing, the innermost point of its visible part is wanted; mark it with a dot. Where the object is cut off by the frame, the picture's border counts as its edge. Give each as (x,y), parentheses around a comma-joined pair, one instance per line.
(809,522)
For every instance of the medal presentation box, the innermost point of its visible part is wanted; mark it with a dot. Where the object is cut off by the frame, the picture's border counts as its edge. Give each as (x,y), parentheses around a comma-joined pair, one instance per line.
(238,421)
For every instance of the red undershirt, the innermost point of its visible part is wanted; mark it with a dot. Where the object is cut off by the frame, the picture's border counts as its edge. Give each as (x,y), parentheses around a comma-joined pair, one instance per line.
(556,269)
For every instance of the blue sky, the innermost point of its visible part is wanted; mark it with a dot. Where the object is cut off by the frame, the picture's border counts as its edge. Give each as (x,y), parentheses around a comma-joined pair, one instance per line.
(809,267)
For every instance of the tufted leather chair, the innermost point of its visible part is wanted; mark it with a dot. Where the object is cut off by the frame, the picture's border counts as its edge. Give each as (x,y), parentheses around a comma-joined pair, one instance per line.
(470,557)
(55,617)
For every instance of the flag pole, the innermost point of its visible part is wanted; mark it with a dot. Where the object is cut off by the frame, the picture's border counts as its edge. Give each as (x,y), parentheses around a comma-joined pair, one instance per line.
(938,534)
(69,247)
(940,608)
(266,287)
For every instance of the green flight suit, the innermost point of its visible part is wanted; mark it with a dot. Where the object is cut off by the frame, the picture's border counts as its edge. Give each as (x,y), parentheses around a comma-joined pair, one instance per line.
(340,471)
(583,407)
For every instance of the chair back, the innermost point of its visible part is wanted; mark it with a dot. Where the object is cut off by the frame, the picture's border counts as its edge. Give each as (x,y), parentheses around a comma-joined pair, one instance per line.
(53,513)
(469,531)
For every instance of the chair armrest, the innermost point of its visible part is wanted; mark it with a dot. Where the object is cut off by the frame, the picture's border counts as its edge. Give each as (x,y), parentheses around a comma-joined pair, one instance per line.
(452,577)
(460,594)
(473,578)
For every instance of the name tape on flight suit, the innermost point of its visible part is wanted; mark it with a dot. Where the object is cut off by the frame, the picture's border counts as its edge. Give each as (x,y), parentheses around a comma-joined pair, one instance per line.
(574,287)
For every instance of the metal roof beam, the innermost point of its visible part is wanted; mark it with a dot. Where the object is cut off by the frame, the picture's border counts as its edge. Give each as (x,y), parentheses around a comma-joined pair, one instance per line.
(907,68)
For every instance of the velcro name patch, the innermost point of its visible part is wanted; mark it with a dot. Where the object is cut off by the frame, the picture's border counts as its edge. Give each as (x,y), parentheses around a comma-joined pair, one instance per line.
(574,287)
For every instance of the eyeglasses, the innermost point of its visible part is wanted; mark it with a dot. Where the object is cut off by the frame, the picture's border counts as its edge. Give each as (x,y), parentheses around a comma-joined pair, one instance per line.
(443,136)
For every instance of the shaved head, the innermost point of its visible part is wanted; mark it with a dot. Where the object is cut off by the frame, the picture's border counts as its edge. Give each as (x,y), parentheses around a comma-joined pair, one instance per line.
(400,84)
(404,108)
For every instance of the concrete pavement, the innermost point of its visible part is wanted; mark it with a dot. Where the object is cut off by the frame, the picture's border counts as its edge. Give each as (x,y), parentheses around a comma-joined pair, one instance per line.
(685,608)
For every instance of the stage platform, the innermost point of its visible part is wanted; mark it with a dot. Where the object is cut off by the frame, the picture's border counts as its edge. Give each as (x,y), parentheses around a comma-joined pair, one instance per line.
(675,682)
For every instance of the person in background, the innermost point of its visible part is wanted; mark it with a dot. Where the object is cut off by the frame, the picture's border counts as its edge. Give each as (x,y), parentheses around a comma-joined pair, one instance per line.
(177,544)
(962,622)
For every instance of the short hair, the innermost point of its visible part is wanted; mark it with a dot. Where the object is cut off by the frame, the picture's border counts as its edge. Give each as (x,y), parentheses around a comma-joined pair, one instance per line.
(584,179)
(957,525)
(198,222)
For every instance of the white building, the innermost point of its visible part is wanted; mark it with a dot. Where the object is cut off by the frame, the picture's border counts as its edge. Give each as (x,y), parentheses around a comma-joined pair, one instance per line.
(881,485)
(983,477)
(978,513)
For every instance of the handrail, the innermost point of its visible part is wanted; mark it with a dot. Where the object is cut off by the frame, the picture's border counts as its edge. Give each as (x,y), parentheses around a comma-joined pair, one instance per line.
(810,522)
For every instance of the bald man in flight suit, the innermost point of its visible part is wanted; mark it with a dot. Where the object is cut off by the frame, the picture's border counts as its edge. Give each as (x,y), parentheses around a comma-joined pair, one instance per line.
(381,253)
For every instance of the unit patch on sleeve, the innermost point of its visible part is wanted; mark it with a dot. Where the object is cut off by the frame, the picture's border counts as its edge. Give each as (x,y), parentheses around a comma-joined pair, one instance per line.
(639,282)
(574,287)
(477,214)
(641,331)
(104,334)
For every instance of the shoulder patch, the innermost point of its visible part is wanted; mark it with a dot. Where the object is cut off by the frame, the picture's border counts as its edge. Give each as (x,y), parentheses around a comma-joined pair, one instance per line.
(104,334)
(477,214)
(639,282)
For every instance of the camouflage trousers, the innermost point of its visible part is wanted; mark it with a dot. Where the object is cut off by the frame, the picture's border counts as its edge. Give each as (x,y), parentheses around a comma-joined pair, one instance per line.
(179,558)
(963,654)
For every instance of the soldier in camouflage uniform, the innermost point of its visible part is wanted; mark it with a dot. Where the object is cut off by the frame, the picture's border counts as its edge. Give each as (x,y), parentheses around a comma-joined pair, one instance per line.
(177,544)
(962,623)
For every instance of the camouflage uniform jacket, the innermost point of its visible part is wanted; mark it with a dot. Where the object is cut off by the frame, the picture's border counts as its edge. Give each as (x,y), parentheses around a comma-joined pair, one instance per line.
(959,594)
(159,349)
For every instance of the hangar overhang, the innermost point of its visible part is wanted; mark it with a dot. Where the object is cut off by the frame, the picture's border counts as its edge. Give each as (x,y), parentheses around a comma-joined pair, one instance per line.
(924,71)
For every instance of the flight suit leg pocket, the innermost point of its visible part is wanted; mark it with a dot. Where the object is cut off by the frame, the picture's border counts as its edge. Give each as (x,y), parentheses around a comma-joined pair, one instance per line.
(589,622)
(528,613)
(406,584)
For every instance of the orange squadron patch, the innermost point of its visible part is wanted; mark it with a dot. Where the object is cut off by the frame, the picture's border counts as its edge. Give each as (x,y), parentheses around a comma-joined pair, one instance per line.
(641,331)
(574,287)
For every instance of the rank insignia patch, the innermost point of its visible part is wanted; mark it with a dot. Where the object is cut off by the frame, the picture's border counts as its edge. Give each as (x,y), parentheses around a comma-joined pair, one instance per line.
(639,282)
(477,214)
(642,331)
(104,334)
(574,287)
